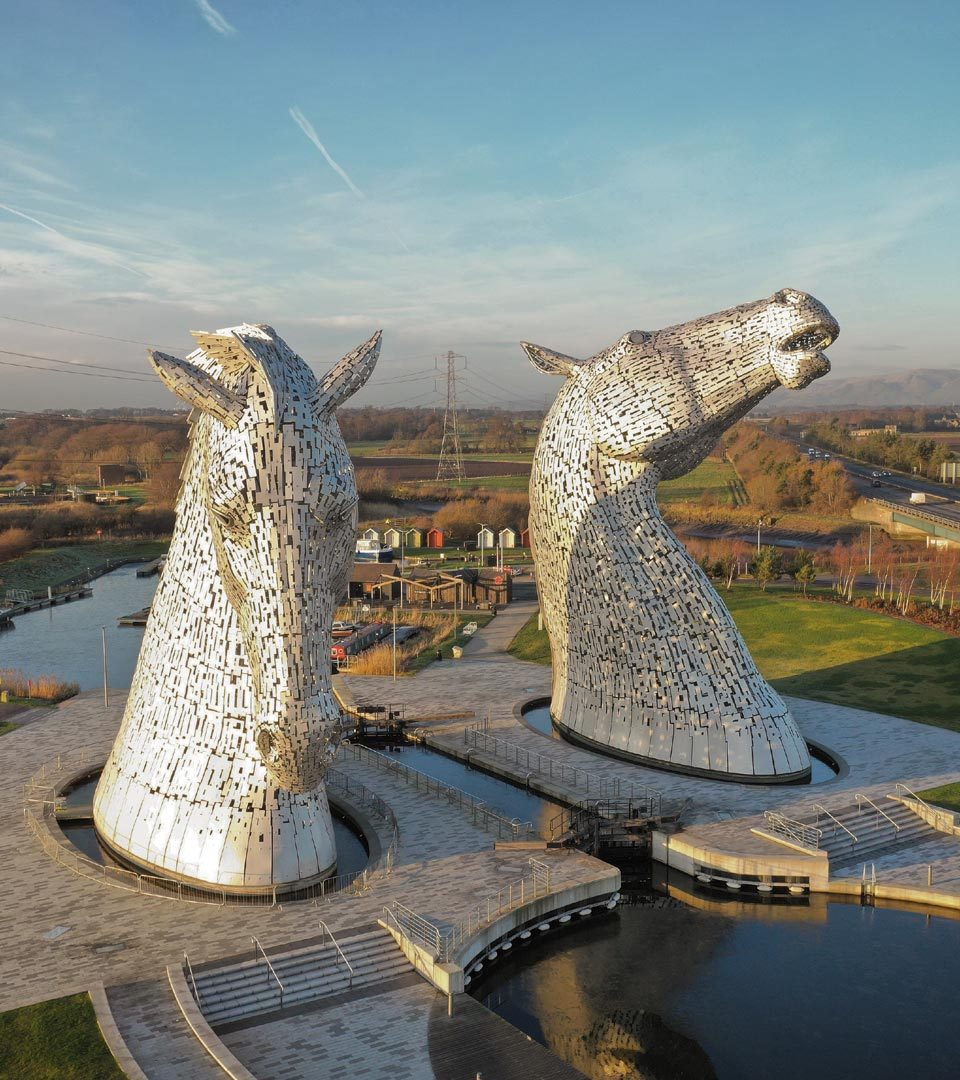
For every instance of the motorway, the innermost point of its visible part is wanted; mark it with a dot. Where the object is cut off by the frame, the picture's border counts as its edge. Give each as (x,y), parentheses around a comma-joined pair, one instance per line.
(895,488)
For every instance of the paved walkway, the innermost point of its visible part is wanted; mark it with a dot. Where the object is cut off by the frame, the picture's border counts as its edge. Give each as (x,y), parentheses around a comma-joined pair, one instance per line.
(494,638)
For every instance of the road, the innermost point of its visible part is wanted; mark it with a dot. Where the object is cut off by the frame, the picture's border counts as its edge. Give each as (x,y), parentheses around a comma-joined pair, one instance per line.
(896,488)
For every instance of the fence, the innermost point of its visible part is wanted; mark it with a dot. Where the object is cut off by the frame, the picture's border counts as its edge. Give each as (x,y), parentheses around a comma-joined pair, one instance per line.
(799,832)
(592,783)
(479,811)
(445,944)
(41,798)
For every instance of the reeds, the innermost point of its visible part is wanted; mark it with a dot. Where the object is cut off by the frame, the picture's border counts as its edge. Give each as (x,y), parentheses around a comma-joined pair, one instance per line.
(41,688)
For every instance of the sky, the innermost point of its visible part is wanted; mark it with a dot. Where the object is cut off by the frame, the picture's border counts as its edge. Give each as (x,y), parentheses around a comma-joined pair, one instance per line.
(466,176)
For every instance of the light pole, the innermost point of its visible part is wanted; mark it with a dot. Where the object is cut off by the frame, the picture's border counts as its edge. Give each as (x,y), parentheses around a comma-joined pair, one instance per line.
(103,641)
(759,523)
(483,535)
(395,640)
(870,550)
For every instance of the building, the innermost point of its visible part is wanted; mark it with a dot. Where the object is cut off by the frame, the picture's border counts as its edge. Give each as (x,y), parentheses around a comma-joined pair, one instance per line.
(374,582)
(110,475)
(435,538)
(525,538)
(485,538)
(887,429)
(950,472)
(371,534)
(415,538)
(507,538)
(393,537)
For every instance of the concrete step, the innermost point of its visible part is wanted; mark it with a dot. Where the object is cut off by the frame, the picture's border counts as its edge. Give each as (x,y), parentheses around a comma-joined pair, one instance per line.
(309,973)
(238,1007)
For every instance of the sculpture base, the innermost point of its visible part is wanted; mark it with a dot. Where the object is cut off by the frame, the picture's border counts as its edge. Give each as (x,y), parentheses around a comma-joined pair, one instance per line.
(800,777)
(286,890)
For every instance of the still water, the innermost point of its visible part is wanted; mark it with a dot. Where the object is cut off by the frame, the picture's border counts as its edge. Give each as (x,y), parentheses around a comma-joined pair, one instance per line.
(65,640)
(504,798)
(661,990)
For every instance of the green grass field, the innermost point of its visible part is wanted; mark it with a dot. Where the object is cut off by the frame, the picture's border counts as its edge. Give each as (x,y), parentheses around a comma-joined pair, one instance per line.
(491,483)
(6,726)
(49,566)
(829,652)
(55,1040)
(710,480)
(947,796)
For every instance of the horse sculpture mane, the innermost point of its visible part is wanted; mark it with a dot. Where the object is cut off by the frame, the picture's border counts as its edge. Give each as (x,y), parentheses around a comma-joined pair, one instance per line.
(216,775)
(647,662)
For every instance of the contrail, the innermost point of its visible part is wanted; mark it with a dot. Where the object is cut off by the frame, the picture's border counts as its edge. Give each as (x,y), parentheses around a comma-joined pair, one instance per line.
(79,246)
(307,128)
(214,19)
(27,217)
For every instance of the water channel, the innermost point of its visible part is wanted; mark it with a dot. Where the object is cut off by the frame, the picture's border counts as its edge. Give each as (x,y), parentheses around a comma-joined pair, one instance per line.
(673,984)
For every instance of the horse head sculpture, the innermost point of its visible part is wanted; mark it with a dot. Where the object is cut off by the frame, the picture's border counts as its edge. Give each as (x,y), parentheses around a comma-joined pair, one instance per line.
(647,661)
(235,667)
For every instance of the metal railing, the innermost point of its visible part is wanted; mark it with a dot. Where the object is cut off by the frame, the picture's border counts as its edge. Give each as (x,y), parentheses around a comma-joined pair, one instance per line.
(41,802)
(480,812)
(444,944)
(861,799)
(326,932)
(188,968)
(798,831)
(592,783)
(258,947)
(836,821)
(942,817)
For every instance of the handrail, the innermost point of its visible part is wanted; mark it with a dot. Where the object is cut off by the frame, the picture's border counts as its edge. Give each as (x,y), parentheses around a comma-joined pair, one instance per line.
(822,809)
(866,798)
(939,813)
(444,946)
(193,981)
(481,812)
(417,928)
(573,774)
(256,946)
(799,831)
(328,932)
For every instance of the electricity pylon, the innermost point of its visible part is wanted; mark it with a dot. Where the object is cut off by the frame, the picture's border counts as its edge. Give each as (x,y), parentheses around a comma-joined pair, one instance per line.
(450,465)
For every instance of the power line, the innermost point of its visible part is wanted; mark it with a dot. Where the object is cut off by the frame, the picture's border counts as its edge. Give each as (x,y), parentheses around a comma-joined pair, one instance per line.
(85,333)
(57,371)
(71,363)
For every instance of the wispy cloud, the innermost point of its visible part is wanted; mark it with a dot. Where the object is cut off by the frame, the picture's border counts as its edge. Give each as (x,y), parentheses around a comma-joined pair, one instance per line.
(214,19)
(308,129)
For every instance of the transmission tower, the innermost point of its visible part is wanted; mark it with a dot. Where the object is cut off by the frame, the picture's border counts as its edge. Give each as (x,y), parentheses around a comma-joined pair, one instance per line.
(450,466)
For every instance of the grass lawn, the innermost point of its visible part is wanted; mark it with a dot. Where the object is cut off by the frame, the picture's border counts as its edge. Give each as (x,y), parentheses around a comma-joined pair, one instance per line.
(947,796)
(429,656)
(491,483)
(829,652)
(710,479)
(50,566)
(6,726)
(55,1040)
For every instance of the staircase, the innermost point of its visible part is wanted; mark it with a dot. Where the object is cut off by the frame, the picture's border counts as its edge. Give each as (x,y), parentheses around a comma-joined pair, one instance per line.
(293,977)
(862,832)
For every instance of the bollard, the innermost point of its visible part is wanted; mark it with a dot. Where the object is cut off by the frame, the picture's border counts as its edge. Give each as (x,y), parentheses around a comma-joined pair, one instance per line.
(930,875)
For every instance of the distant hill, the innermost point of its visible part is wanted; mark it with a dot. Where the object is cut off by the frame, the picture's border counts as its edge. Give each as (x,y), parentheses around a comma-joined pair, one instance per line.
(922,386)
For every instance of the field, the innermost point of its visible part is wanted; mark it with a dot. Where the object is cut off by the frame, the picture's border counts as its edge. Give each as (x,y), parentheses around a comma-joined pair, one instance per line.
(830,652)
(51,566)
(711,480)
(494,483)
(947,796)
(398,469)
(55,1040)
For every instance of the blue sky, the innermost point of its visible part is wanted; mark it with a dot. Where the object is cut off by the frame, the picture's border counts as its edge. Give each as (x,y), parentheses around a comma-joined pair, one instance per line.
(552,171)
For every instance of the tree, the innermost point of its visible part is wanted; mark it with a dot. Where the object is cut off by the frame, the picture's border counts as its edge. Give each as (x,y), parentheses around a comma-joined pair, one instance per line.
(805,569)
(767,566)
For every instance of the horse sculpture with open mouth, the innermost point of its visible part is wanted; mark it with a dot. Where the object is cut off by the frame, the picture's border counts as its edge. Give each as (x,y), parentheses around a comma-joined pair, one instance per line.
(647,662)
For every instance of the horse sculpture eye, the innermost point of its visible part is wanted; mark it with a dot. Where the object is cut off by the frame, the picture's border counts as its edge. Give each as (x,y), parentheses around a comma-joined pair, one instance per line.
(232,518)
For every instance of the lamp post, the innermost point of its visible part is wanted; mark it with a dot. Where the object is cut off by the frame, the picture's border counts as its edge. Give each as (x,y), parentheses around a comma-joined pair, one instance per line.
(759,523)
(395,639)
(483,534)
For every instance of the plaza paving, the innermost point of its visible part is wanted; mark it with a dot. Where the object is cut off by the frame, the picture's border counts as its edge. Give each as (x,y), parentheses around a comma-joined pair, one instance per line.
(63,933)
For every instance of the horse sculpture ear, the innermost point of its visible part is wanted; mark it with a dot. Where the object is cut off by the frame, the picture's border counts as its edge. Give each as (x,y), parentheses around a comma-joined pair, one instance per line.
(198,388)
(550,362)
(346,377)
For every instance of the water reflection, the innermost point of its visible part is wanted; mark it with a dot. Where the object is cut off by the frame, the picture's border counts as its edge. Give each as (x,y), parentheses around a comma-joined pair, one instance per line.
(661,990)
(65,640)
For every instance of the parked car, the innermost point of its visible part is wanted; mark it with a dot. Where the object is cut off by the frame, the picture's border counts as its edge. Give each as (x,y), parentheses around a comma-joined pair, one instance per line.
(875,483)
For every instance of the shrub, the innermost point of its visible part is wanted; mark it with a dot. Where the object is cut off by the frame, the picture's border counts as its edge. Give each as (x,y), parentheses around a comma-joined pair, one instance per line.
(14,543)
(43,687)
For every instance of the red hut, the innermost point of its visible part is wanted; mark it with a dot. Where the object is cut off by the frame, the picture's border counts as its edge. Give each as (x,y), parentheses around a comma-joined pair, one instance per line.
(435,538)
(525,538)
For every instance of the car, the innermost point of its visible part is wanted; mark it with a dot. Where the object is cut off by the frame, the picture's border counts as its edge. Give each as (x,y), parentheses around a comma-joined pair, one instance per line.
(886,474)
(875,483)
(876,474)
(825,454)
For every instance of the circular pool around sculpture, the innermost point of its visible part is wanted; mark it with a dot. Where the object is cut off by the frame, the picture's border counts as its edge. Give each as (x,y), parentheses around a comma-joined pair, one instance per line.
(535,713)
(670,987)
(354,842)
